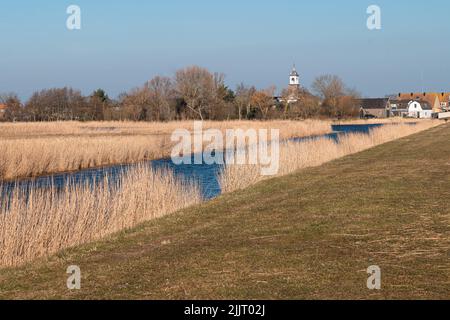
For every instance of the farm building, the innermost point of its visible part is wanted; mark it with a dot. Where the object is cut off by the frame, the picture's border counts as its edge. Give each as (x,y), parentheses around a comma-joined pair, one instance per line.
(378,108)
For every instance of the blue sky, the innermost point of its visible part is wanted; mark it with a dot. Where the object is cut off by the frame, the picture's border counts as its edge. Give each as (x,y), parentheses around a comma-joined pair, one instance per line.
(124,43)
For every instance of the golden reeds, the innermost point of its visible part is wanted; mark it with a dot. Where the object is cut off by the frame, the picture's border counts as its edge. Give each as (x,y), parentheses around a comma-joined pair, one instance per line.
(34,149)
(34,130)
(35,157)
(43,221)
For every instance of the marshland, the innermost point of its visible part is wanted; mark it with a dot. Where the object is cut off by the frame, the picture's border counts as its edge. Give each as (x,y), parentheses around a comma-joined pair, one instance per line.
(38,220)
(157,150)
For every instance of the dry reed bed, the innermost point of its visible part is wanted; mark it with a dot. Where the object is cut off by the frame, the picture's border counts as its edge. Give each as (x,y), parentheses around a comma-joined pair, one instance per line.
(52,220)
(32,158)
(312,153)
(34,130)
(35,149)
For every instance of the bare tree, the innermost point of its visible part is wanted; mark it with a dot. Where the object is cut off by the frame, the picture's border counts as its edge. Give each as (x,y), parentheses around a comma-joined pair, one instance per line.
(14,108)
(263,101)
(136,104)
(243,100)
(55,104)
(306,106)
(161,94)
(330,88)
(196,86)
(98,105)
(222,106)
(348,106)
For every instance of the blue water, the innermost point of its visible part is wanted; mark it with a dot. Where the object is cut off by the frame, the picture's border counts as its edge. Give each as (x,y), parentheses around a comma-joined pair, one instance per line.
(206,176)
(355,128)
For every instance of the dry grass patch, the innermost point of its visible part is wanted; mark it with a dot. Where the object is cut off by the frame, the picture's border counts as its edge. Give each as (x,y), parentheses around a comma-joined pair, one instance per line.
(72,128)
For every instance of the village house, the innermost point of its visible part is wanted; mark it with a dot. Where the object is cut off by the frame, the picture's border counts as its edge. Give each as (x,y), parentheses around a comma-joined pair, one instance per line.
(420,109)
(430,97)
(444,99)
(411,108)
(399,108)
(374,108)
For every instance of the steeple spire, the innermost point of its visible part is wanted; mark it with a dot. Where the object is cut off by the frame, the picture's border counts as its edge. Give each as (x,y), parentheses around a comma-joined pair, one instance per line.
(294,72)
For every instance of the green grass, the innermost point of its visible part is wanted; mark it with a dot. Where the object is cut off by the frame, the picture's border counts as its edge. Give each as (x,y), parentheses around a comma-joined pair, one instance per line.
(310,235)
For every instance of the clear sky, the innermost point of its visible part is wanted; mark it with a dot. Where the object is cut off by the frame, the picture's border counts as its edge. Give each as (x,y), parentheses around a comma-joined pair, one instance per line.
(124,43)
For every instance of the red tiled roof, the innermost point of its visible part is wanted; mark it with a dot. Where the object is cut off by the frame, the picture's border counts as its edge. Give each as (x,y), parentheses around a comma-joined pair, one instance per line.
(444,97)
(374,103)
(431,97)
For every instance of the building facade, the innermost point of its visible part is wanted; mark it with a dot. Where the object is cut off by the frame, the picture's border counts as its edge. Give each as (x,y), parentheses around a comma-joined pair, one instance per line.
(420,109)
(375,108)
(399,108)
(444,99)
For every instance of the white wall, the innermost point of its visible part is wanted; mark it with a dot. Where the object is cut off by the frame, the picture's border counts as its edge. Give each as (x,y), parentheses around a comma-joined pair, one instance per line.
(426,114)
(415,110)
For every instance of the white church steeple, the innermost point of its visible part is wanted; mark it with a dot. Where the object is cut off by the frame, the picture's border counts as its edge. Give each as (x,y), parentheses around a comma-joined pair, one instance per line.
(294,78)
(294,86)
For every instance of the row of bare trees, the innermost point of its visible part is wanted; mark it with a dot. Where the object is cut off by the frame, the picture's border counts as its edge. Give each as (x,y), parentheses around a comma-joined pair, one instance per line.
(193,93)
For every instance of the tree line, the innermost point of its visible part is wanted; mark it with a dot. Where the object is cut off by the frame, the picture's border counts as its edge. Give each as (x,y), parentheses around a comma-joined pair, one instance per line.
(193,93)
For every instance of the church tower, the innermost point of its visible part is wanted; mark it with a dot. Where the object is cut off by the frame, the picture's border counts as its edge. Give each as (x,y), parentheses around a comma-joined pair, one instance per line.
(294,86)
(294,79)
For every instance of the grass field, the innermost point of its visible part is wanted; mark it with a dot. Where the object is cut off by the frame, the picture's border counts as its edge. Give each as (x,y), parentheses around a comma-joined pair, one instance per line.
(309,235)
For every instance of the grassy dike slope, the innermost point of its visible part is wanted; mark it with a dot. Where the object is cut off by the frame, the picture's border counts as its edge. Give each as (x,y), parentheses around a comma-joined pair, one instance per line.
(310,235)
